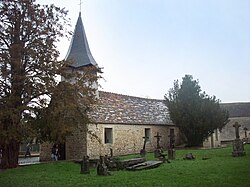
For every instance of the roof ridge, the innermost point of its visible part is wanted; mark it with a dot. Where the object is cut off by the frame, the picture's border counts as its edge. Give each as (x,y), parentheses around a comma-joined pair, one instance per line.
(129,96)
(242,102)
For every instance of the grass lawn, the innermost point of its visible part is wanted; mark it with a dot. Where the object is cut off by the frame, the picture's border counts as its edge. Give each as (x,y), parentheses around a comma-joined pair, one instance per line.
(220,170)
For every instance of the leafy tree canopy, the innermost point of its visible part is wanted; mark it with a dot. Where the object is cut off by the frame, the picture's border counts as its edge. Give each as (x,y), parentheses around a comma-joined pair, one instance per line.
(194,112)
(28,71)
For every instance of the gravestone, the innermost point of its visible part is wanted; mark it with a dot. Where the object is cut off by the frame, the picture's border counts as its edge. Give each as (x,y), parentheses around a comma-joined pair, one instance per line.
(171,150)
(143,150)
(158,141)
(238,147)
(189,156)
(85,165)
(102,169)
(158,150)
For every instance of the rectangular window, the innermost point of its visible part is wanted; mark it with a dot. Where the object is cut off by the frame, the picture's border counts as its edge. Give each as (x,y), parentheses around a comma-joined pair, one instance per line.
(108,137)
(147,134)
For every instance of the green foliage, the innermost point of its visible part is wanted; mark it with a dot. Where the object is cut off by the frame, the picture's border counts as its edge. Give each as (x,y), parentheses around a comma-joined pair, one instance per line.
(195,113)
(68,108)
(221,169)
(28,71)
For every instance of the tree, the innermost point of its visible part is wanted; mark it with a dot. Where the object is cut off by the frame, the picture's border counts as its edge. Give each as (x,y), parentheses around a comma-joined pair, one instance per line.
(195,113)
(28,71)
(69,106)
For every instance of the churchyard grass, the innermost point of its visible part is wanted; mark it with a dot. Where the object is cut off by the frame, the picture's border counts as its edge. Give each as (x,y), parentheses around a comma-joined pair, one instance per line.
(220,169)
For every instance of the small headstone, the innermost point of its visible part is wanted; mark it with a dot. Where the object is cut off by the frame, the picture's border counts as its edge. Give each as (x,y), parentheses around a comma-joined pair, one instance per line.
(85,165)
(102,169)
(157,153)
(238,148)
(171,154)
(189,156)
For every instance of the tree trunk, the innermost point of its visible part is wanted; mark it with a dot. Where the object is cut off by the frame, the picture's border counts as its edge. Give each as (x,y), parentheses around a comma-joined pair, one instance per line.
(10,155)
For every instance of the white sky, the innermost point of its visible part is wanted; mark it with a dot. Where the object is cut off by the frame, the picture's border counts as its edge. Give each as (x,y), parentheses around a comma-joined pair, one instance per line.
(144,45)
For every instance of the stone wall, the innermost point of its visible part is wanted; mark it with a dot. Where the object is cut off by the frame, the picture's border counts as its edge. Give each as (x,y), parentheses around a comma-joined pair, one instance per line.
(127,139)
(214,141)
(228,132)
(45,151)
(76,145)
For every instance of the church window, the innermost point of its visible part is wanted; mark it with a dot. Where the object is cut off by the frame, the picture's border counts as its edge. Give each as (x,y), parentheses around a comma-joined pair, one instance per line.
(108,138)
(147,134)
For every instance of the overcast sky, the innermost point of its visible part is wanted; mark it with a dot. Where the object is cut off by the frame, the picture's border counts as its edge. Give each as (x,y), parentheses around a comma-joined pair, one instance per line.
(144,45)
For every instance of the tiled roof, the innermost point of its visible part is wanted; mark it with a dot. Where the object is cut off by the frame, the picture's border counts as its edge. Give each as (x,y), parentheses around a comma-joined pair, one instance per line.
(237,109)
(122,109)
(79,53)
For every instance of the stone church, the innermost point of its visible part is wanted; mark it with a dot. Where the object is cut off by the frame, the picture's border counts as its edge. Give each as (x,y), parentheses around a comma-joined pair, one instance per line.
(121,122)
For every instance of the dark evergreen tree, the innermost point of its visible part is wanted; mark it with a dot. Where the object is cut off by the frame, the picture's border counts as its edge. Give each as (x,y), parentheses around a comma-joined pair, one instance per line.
(195,113)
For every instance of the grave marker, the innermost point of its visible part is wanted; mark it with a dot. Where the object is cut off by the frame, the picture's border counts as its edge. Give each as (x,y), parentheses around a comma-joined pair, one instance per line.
(238,147)
(143,150)
(171,150)
(85,165)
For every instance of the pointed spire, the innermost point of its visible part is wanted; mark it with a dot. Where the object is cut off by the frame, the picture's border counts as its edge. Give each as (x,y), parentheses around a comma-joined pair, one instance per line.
(79,52)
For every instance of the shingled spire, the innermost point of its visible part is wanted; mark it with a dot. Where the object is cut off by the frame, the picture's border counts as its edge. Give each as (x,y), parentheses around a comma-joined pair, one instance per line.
(79,53)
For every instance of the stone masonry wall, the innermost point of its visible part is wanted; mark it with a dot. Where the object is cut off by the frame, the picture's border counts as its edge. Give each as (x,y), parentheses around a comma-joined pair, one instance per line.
(76,146)
(213,141)
(45,152)
(228,132)
(127,139)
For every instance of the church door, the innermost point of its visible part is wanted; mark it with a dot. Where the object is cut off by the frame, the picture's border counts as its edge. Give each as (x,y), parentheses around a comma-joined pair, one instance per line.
(61,148)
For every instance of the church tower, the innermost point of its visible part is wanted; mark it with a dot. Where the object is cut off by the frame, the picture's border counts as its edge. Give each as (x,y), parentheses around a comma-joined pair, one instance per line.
(79,60)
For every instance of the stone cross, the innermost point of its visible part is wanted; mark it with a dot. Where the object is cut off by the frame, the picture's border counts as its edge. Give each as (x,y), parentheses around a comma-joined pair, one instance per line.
(143,151)
(238,146)
(145,141)
(158,140)
(237,126)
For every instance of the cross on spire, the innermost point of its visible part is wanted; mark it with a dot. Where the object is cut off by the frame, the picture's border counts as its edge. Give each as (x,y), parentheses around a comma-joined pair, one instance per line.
(80,5)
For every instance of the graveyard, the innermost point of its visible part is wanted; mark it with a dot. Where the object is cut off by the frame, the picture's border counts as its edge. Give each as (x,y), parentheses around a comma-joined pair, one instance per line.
(89,136)
(210,167)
